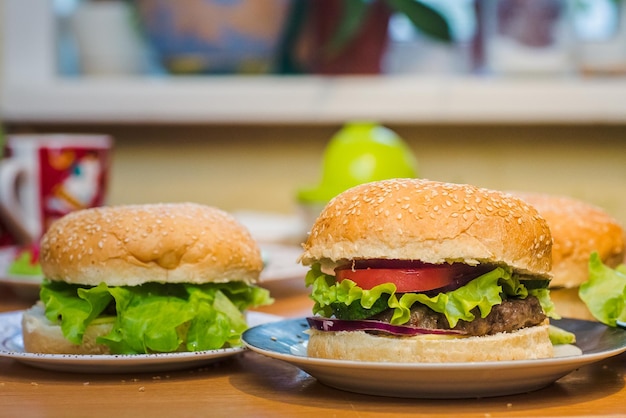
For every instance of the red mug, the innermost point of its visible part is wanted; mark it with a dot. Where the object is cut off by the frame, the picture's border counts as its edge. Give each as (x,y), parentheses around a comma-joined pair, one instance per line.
(46,176)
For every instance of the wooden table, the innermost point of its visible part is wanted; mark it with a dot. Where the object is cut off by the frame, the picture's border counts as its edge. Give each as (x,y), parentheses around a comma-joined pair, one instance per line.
(251,385)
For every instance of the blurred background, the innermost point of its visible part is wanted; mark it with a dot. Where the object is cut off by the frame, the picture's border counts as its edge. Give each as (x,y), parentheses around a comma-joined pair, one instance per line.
(232,102)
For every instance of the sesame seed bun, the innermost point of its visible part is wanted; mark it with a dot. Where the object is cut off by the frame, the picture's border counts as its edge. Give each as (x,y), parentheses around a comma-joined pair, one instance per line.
(136,244)
(430,221)
(525,344)
(578,228)
(42,336)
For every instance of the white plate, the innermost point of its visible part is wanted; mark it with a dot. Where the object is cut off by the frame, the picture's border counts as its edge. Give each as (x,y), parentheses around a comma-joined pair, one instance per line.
(286,340)
(281,263)
(11,345)
(269,227)
(24,286)
(279,236)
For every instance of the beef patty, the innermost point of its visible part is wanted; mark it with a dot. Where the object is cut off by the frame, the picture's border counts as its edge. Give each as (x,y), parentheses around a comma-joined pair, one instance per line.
(508,316)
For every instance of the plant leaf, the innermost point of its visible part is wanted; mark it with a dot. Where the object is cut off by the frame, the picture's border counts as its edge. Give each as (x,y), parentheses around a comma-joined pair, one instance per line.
(424,18)
(351,20)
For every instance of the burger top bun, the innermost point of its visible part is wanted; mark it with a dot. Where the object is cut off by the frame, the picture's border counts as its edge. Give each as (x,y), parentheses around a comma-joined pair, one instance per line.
(164,243)
(578,229)
(435,222)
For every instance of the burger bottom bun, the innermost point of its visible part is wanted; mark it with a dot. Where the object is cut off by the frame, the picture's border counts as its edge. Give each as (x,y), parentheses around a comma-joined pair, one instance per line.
(568,304)
(42,336)
(527,343)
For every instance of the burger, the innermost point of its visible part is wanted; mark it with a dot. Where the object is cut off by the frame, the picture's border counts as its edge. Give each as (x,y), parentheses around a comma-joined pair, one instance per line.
(578,229)
(413,270)
(144,279)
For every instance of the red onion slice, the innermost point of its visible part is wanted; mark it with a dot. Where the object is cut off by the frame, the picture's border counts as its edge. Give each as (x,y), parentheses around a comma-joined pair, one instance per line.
(332,324)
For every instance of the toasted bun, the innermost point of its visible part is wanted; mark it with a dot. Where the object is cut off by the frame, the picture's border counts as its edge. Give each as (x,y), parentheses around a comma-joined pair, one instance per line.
(42,336)
(435,222)
(527,343)
(578,229)
(164,243)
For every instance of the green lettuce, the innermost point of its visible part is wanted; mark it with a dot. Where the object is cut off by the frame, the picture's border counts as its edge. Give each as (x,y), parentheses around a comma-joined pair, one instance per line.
(604,292)
(559,336)
(154,317)
(483,293)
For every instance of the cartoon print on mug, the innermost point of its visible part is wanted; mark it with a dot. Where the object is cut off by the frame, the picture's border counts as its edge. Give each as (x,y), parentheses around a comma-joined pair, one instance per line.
(46,176)
(79,189)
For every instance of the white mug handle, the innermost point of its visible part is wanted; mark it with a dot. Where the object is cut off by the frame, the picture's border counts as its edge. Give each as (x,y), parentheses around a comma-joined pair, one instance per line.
(12,208)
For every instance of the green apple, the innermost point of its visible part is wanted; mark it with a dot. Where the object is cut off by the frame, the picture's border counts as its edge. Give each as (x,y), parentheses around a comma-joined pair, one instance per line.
(360,152)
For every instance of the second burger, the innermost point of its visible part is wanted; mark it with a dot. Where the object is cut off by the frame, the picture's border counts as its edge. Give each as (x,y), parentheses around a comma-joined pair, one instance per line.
(578,229)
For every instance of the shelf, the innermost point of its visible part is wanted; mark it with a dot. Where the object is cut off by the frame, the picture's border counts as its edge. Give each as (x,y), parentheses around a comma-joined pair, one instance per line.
(268,99)
(31,92)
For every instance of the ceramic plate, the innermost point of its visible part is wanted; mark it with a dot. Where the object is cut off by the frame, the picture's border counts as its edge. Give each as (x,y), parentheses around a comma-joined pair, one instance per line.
(270,227)
(286,340)
(24,286)
(11,345)
(281,263)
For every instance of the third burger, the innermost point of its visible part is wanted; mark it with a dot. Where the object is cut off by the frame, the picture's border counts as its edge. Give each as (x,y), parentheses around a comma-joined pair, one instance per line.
(578,229)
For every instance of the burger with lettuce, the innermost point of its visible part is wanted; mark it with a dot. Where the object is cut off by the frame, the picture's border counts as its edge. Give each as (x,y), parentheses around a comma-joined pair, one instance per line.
(144,279)
(412,270)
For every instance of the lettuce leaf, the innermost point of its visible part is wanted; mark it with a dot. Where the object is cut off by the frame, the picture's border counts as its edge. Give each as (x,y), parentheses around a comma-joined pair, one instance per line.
(72,307)
(546,303)
(559,336)
(483,293)
(604,292)
(155,317)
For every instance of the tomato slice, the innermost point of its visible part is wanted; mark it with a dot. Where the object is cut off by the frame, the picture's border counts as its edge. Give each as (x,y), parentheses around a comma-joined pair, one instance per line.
(421,277)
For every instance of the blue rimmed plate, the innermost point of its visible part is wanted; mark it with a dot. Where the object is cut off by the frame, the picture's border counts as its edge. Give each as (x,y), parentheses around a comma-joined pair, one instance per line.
(286,340)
